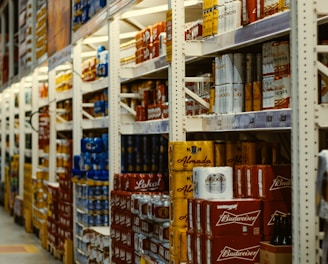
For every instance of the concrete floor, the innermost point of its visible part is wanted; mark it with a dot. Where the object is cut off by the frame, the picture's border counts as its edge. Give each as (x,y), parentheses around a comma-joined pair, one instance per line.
(12,234)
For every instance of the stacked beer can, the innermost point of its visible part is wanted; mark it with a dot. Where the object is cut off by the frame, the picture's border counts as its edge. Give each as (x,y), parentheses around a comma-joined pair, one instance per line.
(140,219)
(183,157)
(140,202)
(221,227)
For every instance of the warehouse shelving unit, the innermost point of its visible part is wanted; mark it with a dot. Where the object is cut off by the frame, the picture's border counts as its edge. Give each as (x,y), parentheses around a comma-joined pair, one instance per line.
(303,123)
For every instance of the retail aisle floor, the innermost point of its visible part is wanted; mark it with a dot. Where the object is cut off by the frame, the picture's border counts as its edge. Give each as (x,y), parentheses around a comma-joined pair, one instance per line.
(19,247)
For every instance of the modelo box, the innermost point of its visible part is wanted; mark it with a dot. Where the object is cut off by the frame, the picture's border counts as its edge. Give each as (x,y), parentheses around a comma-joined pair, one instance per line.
(235,217)
(189,154)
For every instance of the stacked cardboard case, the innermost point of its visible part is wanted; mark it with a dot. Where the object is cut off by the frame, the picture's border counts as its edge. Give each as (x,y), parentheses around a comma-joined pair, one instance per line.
(64,204)
(183,157)
(41,29)
(28,197)
(140,202)
(90,178)
(25,34)
(97,241)
(52,218)
(223,199)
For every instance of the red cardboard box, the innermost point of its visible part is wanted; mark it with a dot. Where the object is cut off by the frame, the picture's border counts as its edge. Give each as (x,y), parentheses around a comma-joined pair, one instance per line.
(232,249)
(269,209)
(274,182)
(269,182)
(235,217)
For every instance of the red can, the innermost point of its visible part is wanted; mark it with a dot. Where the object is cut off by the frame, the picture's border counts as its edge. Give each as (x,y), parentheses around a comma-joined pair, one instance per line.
(141,113)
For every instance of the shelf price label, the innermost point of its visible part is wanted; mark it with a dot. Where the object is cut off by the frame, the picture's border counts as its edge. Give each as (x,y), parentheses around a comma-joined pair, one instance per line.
(269,119)
(213,123)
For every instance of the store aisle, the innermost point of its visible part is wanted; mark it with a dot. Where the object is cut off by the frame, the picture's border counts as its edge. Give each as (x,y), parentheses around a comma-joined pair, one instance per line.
(19,247)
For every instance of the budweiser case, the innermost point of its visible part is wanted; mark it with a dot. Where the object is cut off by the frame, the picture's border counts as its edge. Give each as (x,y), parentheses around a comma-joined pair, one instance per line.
(232,249)
(274,182)
(269,182)
(235,217)
(189,154)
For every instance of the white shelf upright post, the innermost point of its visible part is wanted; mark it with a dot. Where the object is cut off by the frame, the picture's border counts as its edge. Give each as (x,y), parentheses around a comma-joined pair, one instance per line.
(77,97)
(305,134)
(3,135)
(114,89)
(77,115)
(35,123)
(11,17)
(3,103)
(21,134)
(177,121)
(52,126)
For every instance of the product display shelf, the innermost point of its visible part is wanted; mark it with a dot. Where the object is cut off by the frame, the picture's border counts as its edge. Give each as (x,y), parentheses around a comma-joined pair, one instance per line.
(279,25)
(305,241)
(148,68)
(88,121)
(25,131)
(307,122)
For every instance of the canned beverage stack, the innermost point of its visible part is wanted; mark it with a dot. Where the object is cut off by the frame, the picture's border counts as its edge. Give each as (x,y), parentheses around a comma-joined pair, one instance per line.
(91,182)
(140,226)
(252,81)
(276,75)
(233,205)
(150,42)
(183,158)
(229,83)
(152,101)
(140,202)
(221,16)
